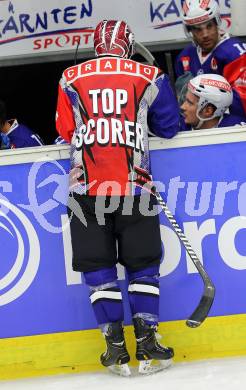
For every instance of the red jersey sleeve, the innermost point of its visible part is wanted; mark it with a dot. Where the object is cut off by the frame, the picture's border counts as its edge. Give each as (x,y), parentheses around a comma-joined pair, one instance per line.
(235,73)
(65,123)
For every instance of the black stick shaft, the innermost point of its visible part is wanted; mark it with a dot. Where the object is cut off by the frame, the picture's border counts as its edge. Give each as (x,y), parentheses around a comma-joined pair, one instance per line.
(206,301)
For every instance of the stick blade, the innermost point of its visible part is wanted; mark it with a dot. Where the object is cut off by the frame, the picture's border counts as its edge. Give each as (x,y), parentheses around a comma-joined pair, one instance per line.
(202,310)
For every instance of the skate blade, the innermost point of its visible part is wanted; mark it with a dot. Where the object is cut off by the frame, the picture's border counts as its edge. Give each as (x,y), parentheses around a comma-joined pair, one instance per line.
(120,369)
(146,367)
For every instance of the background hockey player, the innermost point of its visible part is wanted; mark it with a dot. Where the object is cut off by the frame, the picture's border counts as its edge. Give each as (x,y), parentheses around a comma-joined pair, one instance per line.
(207,99)
(212,51)
(16,135)
(105,108)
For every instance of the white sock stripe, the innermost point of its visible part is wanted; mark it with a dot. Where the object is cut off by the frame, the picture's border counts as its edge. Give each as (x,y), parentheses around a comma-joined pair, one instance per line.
(144,288)
(115,295)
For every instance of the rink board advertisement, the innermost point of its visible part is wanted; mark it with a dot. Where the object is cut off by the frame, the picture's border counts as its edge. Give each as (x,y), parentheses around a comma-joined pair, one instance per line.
(29,27)
(39,292)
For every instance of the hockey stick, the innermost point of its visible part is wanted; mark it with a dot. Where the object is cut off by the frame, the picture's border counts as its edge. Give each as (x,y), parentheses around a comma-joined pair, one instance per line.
(145,53)
(170,70)
(76,51)
(202,310)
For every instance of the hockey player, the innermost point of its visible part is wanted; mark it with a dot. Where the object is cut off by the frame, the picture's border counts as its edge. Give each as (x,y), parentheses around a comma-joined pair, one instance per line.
(208,98)
(15,135)
(212,51)
(105,108)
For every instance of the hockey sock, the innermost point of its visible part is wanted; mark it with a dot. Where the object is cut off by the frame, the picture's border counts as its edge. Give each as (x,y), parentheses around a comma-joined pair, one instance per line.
(105,296)
(143,292)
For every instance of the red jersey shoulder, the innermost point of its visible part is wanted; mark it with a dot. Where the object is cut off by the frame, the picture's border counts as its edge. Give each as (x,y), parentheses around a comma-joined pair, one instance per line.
(76,71)
(150,71)
(111,65)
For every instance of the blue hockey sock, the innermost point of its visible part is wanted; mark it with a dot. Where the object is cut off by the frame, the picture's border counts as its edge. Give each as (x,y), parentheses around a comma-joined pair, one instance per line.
(143,292)
(105,296)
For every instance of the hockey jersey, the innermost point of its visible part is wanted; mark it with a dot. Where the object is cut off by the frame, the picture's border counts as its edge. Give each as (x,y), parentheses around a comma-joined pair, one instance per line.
(228,59)
(227,120)
(231,120)
(105,109)
(20,136)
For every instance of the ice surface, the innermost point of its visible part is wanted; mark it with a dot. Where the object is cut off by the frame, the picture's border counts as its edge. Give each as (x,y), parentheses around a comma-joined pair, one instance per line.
(223,374)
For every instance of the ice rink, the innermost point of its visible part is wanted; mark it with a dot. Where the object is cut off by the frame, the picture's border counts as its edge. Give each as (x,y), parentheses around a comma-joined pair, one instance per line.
(226,374)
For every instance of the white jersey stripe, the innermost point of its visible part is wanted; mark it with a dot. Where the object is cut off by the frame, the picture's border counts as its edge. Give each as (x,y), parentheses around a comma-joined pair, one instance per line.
(144,288)
(109,73)
(105,294)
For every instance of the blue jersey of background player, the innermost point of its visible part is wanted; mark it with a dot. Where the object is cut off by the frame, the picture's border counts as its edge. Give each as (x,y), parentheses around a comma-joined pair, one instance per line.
(15,135)
(212,51)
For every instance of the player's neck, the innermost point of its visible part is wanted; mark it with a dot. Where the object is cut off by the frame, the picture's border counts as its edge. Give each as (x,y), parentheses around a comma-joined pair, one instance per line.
(211,123)
(205,53)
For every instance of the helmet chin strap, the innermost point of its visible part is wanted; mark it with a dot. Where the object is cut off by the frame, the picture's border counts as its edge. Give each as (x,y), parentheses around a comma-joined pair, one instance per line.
(202,120)
(199,125)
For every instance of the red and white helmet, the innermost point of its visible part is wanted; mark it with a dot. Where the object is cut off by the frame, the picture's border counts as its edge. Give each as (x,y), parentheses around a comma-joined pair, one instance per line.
(200,11)
(211,89)
(114,38)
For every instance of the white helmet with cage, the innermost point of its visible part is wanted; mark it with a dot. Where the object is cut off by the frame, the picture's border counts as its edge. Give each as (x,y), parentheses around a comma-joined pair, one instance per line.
(211,89)
(196,12)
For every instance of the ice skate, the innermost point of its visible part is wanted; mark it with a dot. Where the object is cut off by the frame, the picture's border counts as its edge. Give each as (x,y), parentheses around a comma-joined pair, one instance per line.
(116,357)
(152,356)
